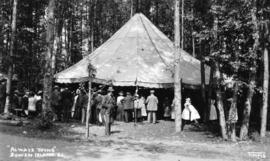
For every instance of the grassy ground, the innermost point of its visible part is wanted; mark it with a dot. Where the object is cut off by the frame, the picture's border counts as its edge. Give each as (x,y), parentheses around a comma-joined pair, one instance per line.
(141,141)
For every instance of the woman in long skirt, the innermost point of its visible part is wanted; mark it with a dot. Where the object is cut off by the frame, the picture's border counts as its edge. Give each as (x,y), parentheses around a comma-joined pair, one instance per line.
(143,107)
(189,113)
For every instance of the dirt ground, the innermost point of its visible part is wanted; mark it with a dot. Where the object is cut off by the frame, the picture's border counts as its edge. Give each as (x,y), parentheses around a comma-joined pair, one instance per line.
(128,142)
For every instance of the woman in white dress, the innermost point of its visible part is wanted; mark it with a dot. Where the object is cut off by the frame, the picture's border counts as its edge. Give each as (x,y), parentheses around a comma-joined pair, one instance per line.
(143,107)
(32,100)
(213,111)
(189,113)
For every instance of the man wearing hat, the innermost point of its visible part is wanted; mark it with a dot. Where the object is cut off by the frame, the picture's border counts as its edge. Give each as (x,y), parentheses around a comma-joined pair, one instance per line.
(152,106)
(108,106)
(56,98)
(128,102)
(15,103)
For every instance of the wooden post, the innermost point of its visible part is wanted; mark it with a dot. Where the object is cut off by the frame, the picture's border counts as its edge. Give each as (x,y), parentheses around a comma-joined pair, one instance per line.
(89,103)
(91,71)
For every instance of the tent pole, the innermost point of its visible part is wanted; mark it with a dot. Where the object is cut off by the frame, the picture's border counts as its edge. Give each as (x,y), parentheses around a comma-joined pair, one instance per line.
(88,107)
(90,72)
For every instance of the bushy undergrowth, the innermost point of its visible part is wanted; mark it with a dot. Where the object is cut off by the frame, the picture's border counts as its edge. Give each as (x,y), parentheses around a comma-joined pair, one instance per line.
(45,121)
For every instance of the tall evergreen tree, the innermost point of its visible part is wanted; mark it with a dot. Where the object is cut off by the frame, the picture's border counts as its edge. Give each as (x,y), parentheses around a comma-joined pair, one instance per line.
(48,76)
(11,55)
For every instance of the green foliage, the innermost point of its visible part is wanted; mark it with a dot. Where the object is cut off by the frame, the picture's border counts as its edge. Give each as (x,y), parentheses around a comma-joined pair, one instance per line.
(45,121)
(76,19)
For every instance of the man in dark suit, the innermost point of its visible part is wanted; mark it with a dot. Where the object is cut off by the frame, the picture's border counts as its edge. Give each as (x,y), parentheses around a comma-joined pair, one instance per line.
(128,102)
(108,106)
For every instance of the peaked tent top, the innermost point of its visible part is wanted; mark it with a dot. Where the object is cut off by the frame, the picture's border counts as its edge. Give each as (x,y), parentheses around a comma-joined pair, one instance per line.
(138,54)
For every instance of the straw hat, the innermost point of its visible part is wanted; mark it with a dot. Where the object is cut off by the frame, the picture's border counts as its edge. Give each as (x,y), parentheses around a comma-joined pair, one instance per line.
(121,93)
(110,89)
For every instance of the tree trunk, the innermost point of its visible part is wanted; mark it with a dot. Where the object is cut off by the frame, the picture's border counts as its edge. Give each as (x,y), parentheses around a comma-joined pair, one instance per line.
(203,93)
(92,25)
(222,121)
(210,90)
(251,85)
(11,53)
(193,35)
(57,43)
(233,114)
(182,24)
(247,108)
(131,8)
(264,109)
(177,76)
(48,76)
(88,105)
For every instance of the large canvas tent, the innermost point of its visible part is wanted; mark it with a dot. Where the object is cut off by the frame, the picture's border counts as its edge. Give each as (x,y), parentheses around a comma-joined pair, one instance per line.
(138,54)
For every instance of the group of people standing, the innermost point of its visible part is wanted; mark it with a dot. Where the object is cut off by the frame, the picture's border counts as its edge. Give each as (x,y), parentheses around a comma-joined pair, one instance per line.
(24,103)
(136,107)
(105,108)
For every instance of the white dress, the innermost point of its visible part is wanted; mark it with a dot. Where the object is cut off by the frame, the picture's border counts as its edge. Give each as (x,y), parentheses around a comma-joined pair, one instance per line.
(213,113)
(32,103)
(190,113)
(142,105)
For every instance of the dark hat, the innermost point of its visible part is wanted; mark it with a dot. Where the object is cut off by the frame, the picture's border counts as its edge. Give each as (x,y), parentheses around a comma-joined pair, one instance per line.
(110,89)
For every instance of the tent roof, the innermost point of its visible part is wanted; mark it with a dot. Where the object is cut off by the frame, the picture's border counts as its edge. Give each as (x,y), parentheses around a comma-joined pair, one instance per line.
(137,54)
